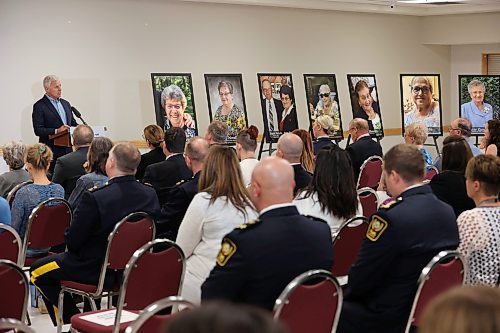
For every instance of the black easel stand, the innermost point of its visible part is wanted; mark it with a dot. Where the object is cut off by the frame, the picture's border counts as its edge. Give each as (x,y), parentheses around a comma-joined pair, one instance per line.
(270,148)
(435,144)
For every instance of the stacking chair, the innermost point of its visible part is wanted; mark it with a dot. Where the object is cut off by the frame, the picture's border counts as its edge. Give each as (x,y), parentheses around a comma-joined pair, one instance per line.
(155,271)
(369,201)
(128,235)
(430,171)
(46,226)
(370,173)
(445,271)
(10,244)
(12,193)
(150,322)
(347,243)
(13,291)
(14,324)
(310,303)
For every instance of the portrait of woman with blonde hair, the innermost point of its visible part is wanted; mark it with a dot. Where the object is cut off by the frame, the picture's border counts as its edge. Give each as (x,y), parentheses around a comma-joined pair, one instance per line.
(220,206)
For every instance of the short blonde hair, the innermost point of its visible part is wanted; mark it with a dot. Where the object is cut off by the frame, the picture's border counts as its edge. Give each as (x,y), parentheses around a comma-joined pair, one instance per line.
(418,131)
(326,123)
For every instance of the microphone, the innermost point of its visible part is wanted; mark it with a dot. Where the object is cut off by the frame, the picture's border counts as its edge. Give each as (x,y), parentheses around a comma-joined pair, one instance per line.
(78,114)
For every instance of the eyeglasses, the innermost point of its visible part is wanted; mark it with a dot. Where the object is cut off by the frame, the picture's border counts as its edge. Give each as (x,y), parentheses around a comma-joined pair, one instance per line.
(352,128)
(453,129)
(286,98)
(324,95)
(173,106)
(224,94)
(424,90)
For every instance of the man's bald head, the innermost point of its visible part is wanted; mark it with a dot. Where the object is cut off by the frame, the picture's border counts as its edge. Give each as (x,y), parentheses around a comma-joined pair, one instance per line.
(272,183)
(290,147)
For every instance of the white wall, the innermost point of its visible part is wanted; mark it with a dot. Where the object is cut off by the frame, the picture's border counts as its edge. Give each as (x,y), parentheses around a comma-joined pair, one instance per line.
(105,50)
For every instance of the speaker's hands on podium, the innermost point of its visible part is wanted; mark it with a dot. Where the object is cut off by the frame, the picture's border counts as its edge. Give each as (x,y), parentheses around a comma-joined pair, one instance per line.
(62,128)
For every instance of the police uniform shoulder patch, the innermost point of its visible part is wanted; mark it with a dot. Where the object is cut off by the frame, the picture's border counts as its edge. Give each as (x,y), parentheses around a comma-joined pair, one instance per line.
(96,188)
(227,250)
(179,183)
(376,228)
(391,202)
(248,224)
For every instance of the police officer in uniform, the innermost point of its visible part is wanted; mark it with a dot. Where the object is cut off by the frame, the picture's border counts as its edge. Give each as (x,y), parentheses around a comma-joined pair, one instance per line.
(94,219)
(403,236)
(174,209)
(258,259)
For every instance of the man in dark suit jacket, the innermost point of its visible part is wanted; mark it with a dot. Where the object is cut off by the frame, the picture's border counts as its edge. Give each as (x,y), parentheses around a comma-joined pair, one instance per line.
(179,198)
(52,114)
(258,259)
(272,110)
(70,167)
(164,175)
(363,145)
(290,148)
(100,209)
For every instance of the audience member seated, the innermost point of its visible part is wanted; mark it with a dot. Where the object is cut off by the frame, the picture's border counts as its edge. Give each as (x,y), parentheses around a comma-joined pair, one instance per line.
(257,260)
(153,134)
(179,198)
(217,133)
(95,217)
(403,236)
(246,144)
(163,175)
(416,134)
(463,128)
(307,157)
(463,310)
(221,206)
(479,228)
(70,167)
(289,148)
(331,196)
(14,154)
(492,137)
(38,158)
(322,128)
(449,185)
(96,168)
(220,317)
(5,217)
(363,145)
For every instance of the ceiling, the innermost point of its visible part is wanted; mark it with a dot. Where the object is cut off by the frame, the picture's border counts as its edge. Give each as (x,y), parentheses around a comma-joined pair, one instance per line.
(378,6)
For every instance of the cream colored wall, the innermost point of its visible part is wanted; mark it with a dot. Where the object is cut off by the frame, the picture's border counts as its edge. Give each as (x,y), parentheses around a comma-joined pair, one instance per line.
(104,52)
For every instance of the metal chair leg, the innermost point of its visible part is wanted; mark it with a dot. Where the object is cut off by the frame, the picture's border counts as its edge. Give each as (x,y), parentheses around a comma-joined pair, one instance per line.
(60,310)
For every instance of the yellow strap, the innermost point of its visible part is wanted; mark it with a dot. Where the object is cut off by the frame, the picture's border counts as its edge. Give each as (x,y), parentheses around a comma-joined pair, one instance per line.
(43,270)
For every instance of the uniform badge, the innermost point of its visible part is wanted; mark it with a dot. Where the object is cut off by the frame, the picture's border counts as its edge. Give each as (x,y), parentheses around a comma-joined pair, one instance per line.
(227,250)
(391,202)
(376,228)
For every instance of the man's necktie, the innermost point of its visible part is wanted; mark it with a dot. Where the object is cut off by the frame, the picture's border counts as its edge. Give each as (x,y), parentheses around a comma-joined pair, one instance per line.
(271,118)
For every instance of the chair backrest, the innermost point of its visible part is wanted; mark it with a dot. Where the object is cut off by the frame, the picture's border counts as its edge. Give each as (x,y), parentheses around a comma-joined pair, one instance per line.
(369,201)
(310,303)
(446,270)
(155,271)
(10,244)
(430,171)
(12,193)
(149,321)
(370,173)
(13,291)
(14,324)
(128,235)
(347,243)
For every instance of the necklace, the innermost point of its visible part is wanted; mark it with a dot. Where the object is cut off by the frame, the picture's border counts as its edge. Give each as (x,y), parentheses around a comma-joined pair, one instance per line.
(487,201)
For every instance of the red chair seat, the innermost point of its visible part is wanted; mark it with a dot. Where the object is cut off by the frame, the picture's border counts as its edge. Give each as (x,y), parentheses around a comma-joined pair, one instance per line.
(83,325)
(88,288)
(30,261)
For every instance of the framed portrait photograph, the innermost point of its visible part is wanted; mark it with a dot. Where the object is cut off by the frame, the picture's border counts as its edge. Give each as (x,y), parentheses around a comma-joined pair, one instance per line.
(365,102)
(226,102)
(479,99)
(421,101)
(174,101)
(322,100)
(277,101)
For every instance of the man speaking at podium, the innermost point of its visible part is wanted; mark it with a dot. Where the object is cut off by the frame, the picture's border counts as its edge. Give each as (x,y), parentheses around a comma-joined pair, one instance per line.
(51,115)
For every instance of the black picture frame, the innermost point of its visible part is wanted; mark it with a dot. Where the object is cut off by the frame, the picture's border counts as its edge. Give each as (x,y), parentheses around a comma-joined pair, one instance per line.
(277,81)
(491,99)
(434,121)
(376,128)
(215,102)
(184,81)
(315,103)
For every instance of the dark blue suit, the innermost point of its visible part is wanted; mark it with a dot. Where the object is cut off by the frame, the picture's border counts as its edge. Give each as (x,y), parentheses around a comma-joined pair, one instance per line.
(266,256)
(302,178)
(401,240)
(46,120)
(100,209)
(360,150)
(322,143)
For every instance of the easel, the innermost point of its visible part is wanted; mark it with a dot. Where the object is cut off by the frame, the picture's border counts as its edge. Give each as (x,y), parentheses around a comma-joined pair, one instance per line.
(270,148)
(435,144)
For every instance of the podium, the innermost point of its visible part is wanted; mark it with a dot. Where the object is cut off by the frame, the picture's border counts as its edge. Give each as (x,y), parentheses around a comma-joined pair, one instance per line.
(61,139)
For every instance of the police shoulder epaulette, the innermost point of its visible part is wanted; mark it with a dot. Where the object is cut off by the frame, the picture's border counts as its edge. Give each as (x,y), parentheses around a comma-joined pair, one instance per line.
(249,224)
(180,182)
(148,184)
(315,218)
(96,188)
(391,203)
